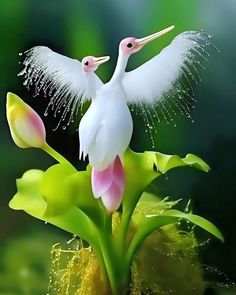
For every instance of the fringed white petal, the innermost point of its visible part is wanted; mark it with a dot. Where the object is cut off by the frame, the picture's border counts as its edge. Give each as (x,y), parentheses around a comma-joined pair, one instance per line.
(149,82)
(59,77)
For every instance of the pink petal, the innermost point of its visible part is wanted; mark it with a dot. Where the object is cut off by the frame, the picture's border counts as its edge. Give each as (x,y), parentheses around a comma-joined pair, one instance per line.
(112,198)
(118,173)
(109,184)
(101,180)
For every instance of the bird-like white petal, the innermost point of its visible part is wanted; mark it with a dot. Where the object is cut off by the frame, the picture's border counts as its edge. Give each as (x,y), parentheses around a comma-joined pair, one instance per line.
(106,128)
(149,82)
(59,77)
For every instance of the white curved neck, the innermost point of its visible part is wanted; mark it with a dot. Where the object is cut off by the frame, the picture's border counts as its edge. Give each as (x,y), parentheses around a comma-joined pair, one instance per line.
(120,67)
(90,84)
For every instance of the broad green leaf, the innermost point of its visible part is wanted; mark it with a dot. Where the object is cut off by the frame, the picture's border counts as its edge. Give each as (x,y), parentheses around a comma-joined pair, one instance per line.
(80,183)
(56,190)
(139,173)
(142,168)
(167,162)
(63,187)
(29,199)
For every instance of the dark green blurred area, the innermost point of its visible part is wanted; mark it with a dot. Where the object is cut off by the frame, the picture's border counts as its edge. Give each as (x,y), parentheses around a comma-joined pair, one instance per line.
(77,28)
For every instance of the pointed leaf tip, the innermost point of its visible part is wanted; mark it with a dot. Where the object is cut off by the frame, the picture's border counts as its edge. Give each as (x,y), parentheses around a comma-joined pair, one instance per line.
(166,162)
(197,220)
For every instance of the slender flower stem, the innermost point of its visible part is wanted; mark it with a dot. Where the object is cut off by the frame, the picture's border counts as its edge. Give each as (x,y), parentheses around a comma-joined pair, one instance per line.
(57,156)
(122,239)
(123,230)
(111,256)
(110,264)
(100,259)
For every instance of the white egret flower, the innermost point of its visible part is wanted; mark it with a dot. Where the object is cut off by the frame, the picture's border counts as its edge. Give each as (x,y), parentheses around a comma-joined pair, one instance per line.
(62,78)
(108,122)
(106,128)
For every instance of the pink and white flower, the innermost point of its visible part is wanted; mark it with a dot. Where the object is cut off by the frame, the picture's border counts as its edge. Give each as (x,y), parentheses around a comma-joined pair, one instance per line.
(109,184)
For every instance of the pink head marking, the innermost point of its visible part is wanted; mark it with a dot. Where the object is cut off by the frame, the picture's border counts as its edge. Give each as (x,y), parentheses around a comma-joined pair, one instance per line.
(91,63)
(131,45)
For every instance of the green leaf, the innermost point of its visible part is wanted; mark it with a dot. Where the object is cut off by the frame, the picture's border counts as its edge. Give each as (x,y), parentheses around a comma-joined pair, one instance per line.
(56,190)
(151,204)
(142,168)
(144,229)
(166,162)
(80,183)
(29,199)
(152,222)
(63,187)
(197,220)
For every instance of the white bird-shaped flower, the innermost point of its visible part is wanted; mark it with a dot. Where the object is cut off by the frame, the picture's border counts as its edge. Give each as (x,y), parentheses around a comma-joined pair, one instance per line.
(108,125)
(67,81)
(106,128)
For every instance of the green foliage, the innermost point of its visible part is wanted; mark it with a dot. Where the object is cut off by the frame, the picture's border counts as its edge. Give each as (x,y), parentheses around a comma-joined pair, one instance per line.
(80,182)
(167,162)
(151,204)
(63,197)
(143,168)
(195,219)
(30,199)
(22,26)
(55,189)
(150,223)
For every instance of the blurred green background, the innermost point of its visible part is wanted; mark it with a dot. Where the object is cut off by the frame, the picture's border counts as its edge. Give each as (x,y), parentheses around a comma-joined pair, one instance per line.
(77,28)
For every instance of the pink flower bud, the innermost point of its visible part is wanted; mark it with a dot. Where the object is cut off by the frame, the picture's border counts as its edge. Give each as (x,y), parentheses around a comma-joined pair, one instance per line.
(27,128)
(109,184)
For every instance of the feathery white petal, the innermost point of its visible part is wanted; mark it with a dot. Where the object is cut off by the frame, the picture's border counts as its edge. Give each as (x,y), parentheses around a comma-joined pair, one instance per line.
(59,77)
(149,82)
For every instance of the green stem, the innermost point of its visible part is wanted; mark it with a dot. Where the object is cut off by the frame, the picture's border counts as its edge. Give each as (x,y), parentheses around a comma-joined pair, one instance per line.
(57,156)
(123,231)
(101,261)
(110,264)
(122,237)
(114,263)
